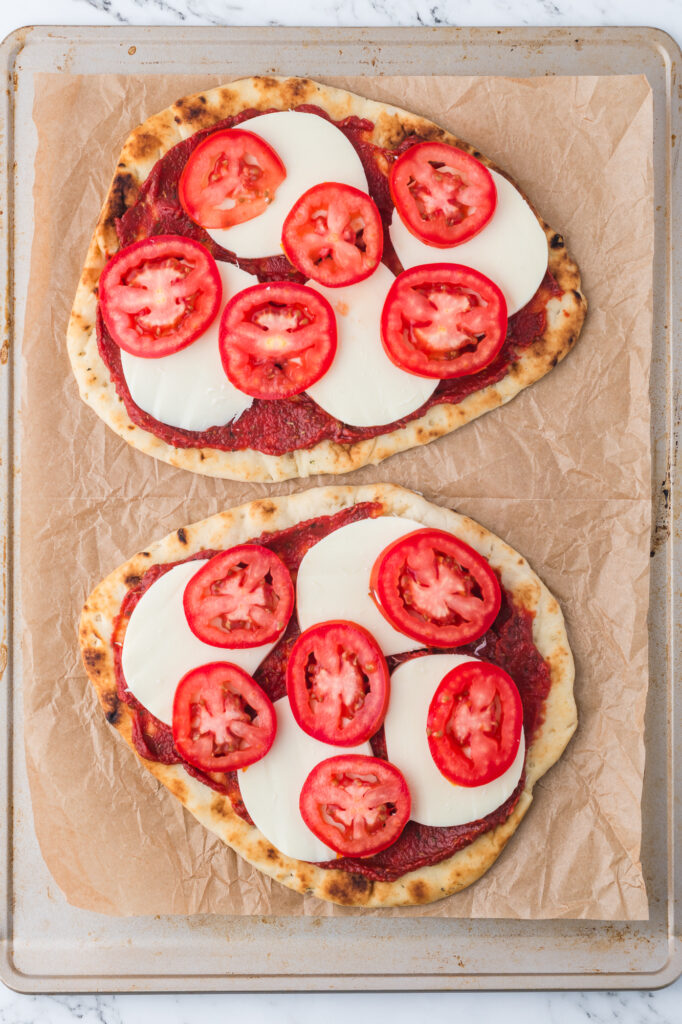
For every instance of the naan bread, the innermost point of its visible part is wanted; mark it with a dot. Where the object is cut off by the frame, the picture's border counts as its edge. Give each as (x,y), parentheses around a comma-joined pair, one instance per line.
(215,811)
(156,136)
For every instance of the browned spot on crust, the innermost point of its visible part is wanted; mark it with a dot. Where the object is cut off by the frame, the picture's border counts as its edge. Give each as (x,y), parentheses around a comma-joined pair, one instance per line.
(526,595)
(265,84)
(194,112)
(266,507)
(418,892)
(91,276)
(182,535)
(221,807)
(297,90)
(4,352)
(92,659)
(132,579)
(112,710)
(145,554)
(122,195)
(227,98)
(556,242)
(578,295)
(178,789)
(271,854)
(144,144)
(347,889)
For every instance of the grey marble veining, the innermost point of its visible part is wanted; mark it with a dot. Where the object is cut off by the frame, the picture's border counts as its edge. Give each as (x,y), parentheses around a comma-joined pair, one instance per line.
(662,13)
(664,1007)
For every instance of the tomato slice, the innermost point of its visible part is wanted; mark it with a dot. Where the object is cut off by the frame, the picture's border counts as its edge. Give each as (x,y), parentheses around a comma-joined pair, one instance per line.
(435,588)
(338,683)
(222,719)
(242,597)
(443,320)
(158,295)
(474,724)
(442,194)
(333,234)
(232,176)
(358,805)
(277,339)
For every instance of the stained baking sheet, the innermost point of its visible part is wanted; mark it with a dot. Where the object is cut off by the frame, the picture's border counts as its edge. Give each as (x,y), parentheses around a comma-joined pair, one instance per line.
(70,943)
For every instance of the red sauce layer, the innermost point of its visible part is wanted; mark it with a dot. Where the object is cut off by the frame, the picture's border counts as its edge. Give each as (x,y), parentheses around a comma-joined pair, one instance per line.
(508,643)
(281,426)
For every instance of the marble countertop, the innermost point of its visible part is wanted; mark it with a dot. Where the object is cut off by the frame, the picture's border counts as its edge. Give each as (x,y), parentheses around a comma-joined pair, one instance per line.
(525,1008)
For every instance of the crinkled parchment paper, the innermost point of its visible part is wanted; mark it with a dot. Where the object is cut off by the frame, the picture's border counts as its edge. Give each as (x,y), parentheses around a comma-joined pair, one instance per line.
(562,473)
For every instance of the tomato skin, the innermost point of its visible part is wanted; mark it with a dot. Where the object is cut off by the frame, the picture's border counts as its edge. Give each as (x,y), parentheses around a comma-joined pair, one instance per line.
(150,280)
(439,208)
(443,320)
(351,784)
(474,724)
(233,586)
(224,697)
(432,567)
(321,233)
(218,170)
(330,666)
(277,339)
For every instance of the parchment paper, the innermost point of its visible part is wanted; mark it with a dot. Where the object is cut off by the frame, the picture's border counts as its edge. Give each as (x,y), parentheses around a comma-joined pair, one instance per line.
(563,474)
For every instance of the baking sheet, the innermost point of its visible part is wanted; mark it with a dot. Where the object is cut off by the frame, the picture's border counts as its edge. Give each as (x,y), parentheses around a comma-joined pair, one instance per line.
(562,473)
(480,515)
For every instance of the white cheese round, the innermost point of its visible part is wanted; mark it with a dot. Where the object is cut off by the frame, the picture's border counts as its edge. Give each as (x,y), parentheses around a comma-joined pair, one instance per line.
(313,150)
(436,800)
(159,648)
(333,579)
(363,387)
(271,788)
(511,249)
(189,389)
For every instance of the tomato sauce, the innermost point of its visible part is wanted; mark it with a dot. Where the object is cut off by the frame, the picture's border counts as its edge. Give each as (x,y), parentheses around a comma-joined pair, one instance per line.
(276,427)
(508,643)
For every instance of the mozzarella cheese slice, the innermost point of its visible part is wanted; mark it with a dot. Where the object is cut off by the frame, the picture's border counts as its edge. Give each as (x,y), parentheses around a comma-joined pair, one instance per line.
(511,249)
(159,647)
(363,387)
(189,389)
(436,800)
(271,788)
(333,579)
(313,150)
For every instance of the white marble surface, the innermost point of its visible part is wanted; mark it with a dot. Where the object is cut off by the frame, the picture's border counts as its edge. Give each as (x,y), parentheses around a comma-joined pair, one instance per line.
(515,1008)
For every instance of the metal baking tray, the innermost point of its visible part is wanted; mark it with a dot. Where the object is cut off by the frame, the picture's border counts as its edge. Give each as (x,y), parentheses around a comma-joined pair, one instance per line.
(48,946)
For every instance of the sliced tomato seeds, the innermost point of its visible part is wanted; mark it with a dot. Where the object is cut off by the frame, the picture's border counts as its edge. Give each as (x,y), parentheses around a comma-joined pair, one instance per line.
(357,805)
(242,597)
(443,320)
(158,295)
(474,724)
(338,683)
(222,719)
(334,235)
(231,177)
(442,194)
(277,339)
(435,588)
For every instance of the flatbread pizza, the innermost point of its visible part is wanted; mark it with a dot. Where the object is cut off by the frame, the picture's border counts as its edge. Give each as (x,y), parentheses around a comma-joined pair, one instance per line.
(379,284)
(369,614)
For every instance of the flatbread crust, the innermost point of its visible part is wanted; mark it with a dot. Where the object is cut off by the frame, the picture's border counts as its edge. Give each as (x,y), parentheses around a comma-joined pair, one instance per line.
(215,811)
(156,136)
